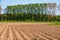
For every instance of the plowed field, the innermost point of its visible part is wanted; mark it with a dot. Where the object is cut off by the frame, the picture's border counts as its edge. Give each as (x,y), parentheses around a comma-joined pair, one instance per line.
(29,31)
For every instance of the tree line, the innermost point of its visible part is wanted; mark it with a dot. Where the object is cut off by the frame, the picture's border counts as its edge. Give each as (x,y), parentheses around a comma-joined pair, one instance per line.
(30,12)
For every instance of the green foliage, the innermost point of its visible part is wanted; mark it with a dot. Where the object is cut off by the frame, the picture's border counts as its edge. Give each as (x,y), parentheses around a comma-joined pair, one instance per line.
(29,13)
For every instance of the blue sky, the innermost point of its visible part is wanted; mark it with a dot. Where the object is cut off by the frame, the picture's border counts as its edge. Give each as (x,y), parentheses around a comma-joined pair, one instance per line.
(4,3)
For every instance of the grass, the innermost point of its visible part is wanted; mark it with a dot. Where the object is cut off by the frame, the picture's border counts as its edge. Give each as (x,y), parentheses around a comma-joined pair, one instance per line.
(54,23)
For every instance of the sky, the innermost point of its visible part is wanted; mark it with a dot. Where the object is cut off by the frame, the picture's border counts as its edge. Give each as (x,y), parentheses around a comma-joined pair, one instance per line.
(5,3)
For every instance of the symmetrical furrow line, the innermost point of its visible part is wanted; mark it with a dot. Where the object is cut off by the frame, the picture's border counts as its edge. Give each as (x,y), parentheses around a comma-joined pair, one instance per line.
(26,32)
(14,34)
(19,37)
(25,37)
(36,37)
(4,34)
(11,36)
(1,31)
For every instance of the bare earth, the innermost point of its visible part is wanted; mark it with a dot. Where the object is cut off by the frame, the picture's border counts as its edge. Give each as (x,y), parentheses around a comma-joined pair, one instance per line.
(29,31)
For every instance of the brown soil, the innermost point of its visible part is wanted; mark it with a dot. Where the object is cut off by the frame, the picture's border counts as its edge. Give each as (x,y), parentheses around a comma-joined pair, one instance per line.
(29,31)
